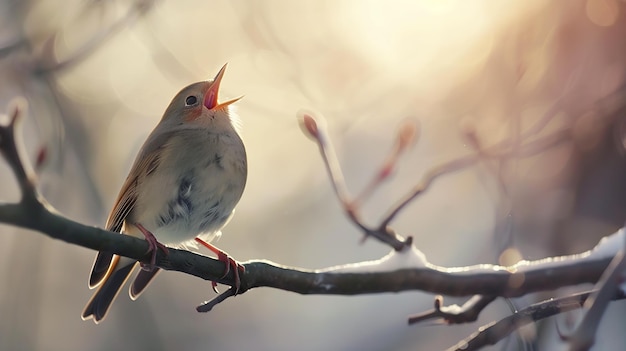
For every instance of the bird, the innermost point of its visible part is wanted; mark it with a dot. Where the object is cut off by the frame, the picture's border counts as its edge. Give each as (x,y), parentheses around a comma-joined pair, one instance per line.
(182,189)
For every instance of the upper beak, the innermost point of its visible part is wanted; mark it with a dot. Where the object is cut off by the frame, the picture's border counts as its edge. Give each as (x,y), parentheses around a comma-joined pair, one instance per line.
(210,97)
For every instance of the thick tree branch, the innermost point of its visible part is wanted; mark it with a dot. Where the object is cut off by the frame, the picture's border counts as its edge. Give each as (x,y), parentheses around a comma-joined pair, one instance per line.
(483,279)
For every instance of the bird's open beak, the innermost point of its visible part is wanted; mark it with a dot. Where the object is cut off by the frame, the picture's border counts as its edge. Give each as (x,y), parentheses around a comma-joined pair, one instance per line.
(210,97)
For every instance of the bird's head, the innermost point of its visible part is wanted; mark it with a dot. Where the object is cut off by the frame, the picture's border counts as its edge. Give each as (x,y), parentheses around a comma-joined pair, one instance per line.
(197,105)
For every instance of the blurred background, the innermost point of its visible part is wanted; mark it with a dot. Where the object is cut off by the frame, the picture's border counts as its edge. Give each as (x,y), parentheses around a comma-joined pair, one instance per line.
(99,74)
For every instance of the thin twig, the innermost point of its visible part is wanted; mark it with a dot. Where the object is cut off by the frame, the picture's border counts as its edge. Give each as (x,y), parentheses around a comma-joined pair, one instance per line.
(406,137)
(384,232)
(7,48)
(48,61)
(584,336)
(455,314)
(207,306)
(11,147)
(327,150)
(467,161)
(492,333)
(529,149)
(317,131)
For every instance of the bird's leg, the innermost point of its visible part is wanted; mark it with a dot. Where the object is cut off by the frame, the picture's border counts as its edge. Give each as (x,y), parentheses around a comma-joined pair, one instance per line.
(229,261)
(153,245)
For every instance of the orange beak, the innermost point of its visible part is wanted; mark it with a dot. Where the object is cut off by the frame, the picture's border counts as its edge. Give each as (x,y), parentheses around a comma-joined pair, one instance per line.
(210,97)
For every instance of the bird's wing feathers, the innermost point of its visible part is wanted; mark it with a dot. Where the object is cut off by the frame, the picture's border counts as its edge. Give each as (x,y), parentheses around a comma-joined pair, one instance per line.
(124,204)
(146,162)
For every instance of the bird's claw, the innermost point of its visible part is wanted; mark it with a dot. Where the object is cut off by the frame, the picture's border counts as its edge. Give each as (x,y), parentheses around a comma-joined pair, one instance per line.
(229,262)
(153,246)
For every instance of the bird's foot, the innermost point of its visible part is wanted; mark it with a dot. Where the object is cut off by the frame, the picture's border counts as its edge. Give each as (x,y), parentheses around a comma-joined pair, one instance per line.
(229,261)
(153,246)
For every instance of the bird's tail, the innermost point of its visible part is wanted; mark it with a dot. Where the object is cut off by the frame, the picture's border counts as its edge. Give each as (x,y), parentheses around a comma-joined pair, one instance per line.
(99,304)
(141,282)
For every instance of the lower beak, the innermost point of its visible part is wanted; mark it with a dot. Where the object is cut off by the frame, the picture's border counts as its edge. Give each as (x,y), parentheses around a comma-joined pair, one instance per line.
(210,97)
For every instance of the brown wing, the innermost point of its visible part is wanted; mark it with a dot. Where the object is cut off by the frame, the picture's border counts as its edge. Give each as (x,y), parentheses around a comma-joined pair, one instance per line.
(124,204)
(146,163)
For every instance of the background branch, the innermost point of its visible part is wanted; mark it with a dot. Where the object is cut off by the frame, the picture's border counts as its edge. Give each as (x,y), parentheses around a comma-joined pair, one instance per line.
(494,332)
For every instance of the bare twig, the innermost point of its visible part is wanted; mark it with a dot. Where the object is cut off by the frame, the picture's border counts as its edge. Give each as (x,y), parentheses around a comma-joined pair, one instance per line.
(455,314)
(48,61)
(11,147)
(406,137)
(383,232)
(317,131)
(7,48)
(207,306)
(492,333)
(461,163)
(584,336)
(498,150)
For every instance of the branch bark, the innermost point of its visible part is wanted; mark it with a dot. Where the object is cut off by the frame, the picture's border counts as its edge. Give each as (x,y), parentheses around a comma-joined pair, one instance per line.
(483,279)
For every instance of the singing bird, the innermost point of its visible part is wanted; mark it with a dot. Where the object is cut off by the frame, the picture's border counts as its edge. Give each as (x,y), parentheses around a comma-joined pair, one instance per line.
(182,188)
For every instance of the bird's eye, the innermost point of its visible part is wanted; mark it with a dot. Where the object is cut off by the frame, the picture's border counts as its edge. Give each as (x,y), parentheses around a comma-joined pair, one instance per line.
(190,100)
